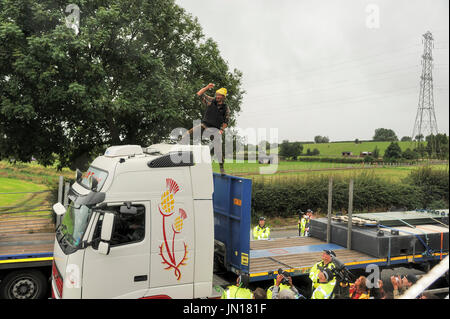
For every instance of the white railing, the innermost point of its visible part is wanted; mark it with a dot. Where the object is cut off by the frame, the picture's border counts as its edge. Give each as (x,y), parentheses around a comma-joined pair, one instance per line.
(423,283)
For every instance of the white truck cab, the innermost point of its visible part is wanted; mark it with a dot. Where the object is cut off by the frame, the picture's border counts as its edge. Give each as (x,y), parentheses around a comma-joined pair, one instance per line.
(139,224)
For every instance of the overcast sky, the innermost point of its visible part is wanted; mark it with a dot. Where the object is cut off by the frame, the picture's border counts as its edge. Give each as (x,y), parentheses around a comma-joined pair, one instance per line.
(330,67)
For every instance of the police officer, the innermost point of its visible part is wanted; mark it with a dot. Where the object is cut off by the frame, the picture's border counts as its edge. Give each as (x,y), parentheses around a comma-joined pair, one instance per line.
(238,291)
(301,224)
(261,231)
(308,217)
(326,284)
(325,263)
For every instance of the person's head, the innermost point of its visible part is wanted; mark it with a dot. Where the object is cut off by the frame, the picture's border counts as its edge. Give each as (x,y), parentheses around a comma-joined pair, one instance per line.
(309,212)
(259,293)
(360,283)
(388,295)
(221,94)
(327,256)
(428,295)
(287,294)
(262,221)
(242,281)
(409,280)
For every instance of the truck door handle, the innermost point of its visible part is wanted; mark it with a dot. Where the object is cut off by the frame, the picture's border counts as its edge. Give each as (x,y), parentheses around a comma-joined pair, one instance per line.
(140,278)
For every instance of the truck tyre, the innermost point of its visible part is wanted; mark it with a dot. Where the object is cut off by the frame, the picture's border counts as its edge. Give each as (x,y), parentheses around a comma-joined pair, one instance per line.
(23,284)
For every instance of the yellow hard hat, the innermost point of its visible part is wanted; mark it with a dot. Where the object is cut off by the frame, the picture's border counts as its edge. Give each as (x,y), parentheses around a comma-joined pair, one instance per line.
(222,91)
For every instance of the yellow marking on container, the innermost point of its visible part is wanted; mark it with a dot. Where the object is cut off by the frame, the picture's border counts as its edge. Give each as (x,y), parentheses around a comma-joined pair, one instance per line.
(23,260)
(244,259)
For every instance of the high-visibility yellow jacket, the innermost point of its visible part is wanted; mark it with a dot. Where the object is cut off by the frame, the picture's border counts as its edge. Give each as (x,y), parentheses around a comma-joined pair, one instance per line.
(235,292)
(261,232)
(324,290)
(302,226)
(315,270)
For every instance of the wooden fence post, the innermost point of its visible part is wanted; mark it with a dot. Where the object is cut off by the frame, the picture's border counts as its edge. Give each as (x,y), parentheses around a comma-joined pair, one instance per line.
(330,198)
(350,212)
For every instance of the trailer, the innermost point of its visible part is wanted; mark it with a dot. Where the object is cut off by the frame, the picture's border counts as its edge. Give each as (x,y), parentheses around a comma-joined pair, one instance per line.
(26,254)
(261,259)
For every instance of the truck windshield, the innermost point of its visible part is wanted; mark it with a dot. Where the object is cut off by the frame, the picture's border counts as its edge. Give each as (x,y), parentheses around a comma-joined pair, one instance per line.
(74,224)
(98,174)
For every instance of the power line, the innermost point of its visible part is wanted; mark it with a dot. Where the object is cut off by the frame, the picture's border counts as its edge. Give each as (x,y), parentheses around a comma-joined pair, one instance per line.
(345,100)
(340,84)
(328,67)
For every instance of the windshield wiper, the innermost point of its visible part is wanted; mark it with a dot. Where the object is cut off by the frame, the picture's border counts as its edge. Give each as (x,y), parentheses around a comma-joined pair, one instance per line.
(65,236)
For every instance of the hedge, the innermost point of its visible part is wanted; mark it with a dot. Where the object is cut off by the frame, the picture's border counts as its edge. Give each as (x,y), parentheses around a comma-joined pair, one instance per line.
(421,189)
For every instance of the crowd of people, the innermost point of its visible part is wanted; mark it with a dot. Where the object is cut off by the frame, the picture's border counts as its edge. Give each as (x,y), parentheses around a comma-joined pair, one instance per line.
(323,276)
(324,285)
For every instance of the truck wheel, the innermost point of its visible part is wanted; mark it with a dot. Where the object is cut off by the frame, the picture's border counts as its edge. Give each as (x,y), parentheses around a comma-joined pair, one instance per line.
(23,284)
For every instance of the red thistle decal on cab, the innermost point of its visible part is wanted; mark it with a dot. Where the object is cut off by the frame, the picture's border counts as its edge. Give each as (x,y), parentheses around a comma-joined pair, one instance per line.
(167,209)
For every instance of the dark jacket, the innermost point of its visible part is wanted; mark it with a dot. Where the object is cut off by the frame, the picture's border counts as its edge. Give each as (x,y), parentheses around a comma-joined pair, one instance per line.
(215,114)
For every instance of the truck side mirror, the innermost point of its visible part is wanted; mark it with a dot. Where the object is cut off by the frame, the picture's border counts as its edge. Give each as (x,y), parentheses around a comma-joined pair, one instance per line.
(59,209)
(78,175)
(93,183)
(105,236)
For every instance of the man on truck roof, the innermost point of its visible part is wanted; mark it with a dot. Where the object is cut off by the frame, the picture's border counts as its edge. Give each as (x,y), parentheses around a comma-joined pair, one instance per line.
(216,115)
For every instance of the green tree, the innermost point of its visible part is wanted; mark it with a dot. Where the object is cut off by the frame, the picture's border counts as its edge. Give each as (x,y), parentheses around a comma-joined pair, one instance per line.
(406,139)
(410,154)
(128,77)
(383,134)
(368,159)
(376,152)
(321,139)
(437,146)
(393,152)
(290,149)
(420,149)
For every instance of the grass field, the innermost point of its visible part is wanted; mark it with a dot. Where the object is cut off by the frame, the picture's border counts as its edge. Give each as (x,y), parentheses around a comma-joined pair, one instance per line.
(27,177)
(300,170)
(33,172)
(253,168)
(10,185)
(336,149)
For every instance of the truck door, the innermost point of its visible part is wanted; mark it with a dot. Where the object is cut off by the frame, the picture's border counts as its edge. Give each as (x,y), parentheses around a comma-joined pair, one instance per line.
(124,272)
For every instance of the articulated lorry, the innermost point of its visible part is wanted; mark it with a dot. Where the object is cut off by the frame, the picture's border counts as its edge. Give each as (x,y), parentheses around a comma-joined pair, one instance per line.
(153,223)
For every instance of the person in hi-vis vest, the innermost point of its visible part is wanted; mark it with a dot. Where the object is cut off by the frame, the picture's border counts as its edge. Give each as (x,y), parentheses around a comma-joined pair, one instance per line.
(261,231)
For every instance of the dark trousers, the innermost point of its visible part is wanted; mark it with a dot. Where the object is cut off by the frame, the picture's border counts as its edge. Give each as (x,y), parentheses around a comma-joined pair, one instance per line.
(202,127)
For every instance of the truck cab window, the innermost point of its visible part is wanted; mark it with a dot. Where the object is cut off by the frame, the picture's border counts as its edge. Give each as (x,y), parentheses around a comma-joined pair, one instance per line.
(128,228)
